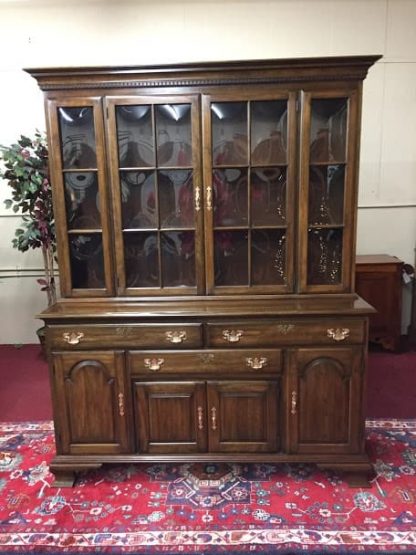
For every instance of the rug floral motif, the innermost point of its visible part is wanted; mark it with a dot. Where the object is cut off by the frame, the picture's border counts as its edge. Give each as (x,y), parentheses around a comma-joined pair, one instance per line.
(207,508)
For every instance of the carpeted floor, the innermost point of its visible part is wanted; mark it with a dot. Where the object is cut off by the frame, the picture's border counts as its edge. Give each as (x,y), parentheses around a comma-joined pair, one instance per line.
(207,508)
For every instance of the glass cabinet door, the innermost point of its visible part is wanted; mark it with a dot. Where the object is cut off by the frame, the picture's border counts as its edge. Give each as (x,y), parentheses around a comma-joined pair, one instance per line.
(249,187)
(157,201)
(327,219)
(80,197)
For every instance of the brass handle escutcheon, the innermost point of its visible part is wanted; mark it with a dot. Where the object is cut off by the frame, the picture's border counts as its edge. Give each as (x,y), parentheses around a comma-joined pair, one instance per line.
(200,418)
(232,336)
(294,402)
(213,419)
(175,336)
(197,199)
(73,337)
(154,364)
(121,404)
(209,198)
(338,334)
(256,363)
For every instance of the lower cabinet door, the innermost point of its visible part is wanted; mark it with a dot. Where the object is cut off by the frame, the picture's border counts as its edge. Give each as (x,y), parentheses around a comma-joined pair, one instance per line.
(91,402)
(170,417)
(324,399)
(243,416)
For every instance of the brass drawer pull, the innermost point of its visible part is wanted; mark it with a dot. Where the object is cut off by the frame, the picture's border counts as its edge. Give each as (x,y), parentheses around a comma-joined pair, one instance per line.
(175,336)
(213,419)
(73,337)
(232,336)
(154,364)
(294,403)
(338,334)
(256,363)
(200,418)
(121,404)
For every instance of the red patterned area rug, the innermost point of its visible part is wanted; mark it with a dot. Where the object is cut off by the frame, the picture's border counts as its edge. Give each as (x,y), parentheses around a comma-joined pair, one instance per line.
(207,508)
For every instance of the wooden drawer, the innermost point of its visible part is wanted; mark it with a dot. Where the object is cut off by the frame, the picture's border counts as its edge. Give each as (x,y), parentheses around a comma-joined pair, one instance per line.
(293,332)
(110,336)
(218,362)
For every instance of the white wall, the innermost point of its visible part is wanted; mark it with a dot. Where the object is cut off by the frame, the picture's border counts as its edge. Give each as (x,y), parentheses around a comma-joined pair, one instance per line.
(108,32)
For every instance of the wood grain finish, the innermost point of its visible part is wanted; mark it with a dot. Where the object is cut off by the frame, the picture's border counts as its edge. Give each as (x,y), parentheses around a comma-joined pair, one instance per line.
(284,332)
(132,335)
(378,279)
(269,367)
(207,362)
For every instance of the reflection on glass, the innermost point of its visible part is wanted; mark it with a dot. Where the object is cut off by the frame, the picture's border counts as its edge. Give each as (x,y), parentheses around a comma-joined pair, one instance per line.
(229,133)
(268,132)
(173,135)
(87,262)
(176,198)
(77,137)
(178,258)
(135,136)
(230,197)
(231,257)
(268,196)
(328,130)
(324,256)
(268,257)
(82,201)
(141,259)
(138,199)
(326,194)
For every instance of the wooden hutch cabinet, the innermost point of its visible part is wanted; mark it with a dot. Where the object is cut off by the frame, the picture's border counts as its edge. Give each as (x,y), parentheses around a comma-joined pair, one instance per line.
(206,219)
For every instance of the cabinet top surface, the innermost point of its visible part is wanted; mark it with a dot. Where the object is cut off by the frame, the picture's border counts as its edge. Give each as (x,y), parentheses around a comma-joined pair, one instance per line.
(285,70)
(211,308)
(377,259)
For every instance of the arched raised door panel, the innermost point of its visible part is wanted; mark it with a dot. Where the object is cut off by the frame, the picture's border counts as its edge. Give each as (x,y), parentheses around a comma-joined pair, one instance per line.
(93,389)
(324,401)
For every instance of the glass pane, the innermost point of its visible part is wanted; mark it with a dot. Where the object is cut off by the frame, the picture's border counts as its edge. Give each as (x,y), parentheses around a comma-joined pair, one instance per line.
(231,257)
(82,200)
(268,196)
(268,256)
(173,135)
(138,199)
(141,259)
(87,262)
(176,198)
(328,130)
(178,258)
(135,136)
(230,197)
(324,256)
(229,133)
(268,132)
(326,195)
(77,137)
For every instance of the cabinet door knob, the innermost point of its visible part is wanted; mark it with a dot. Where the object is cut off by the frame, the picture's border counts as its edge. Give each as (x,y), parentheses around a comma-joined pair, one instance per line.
(209,198)
(338,334)
(232,336)
(293,403)
(121,404)
(73,337)
(213,419)
(256,363)
(200,418)
(197,199)
(175,336)
(154,364)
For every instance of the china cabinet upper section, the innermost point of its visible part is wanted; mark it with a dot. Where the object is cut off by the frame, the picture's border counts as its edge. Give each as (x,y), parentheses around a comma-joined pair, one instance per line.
(219,178)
